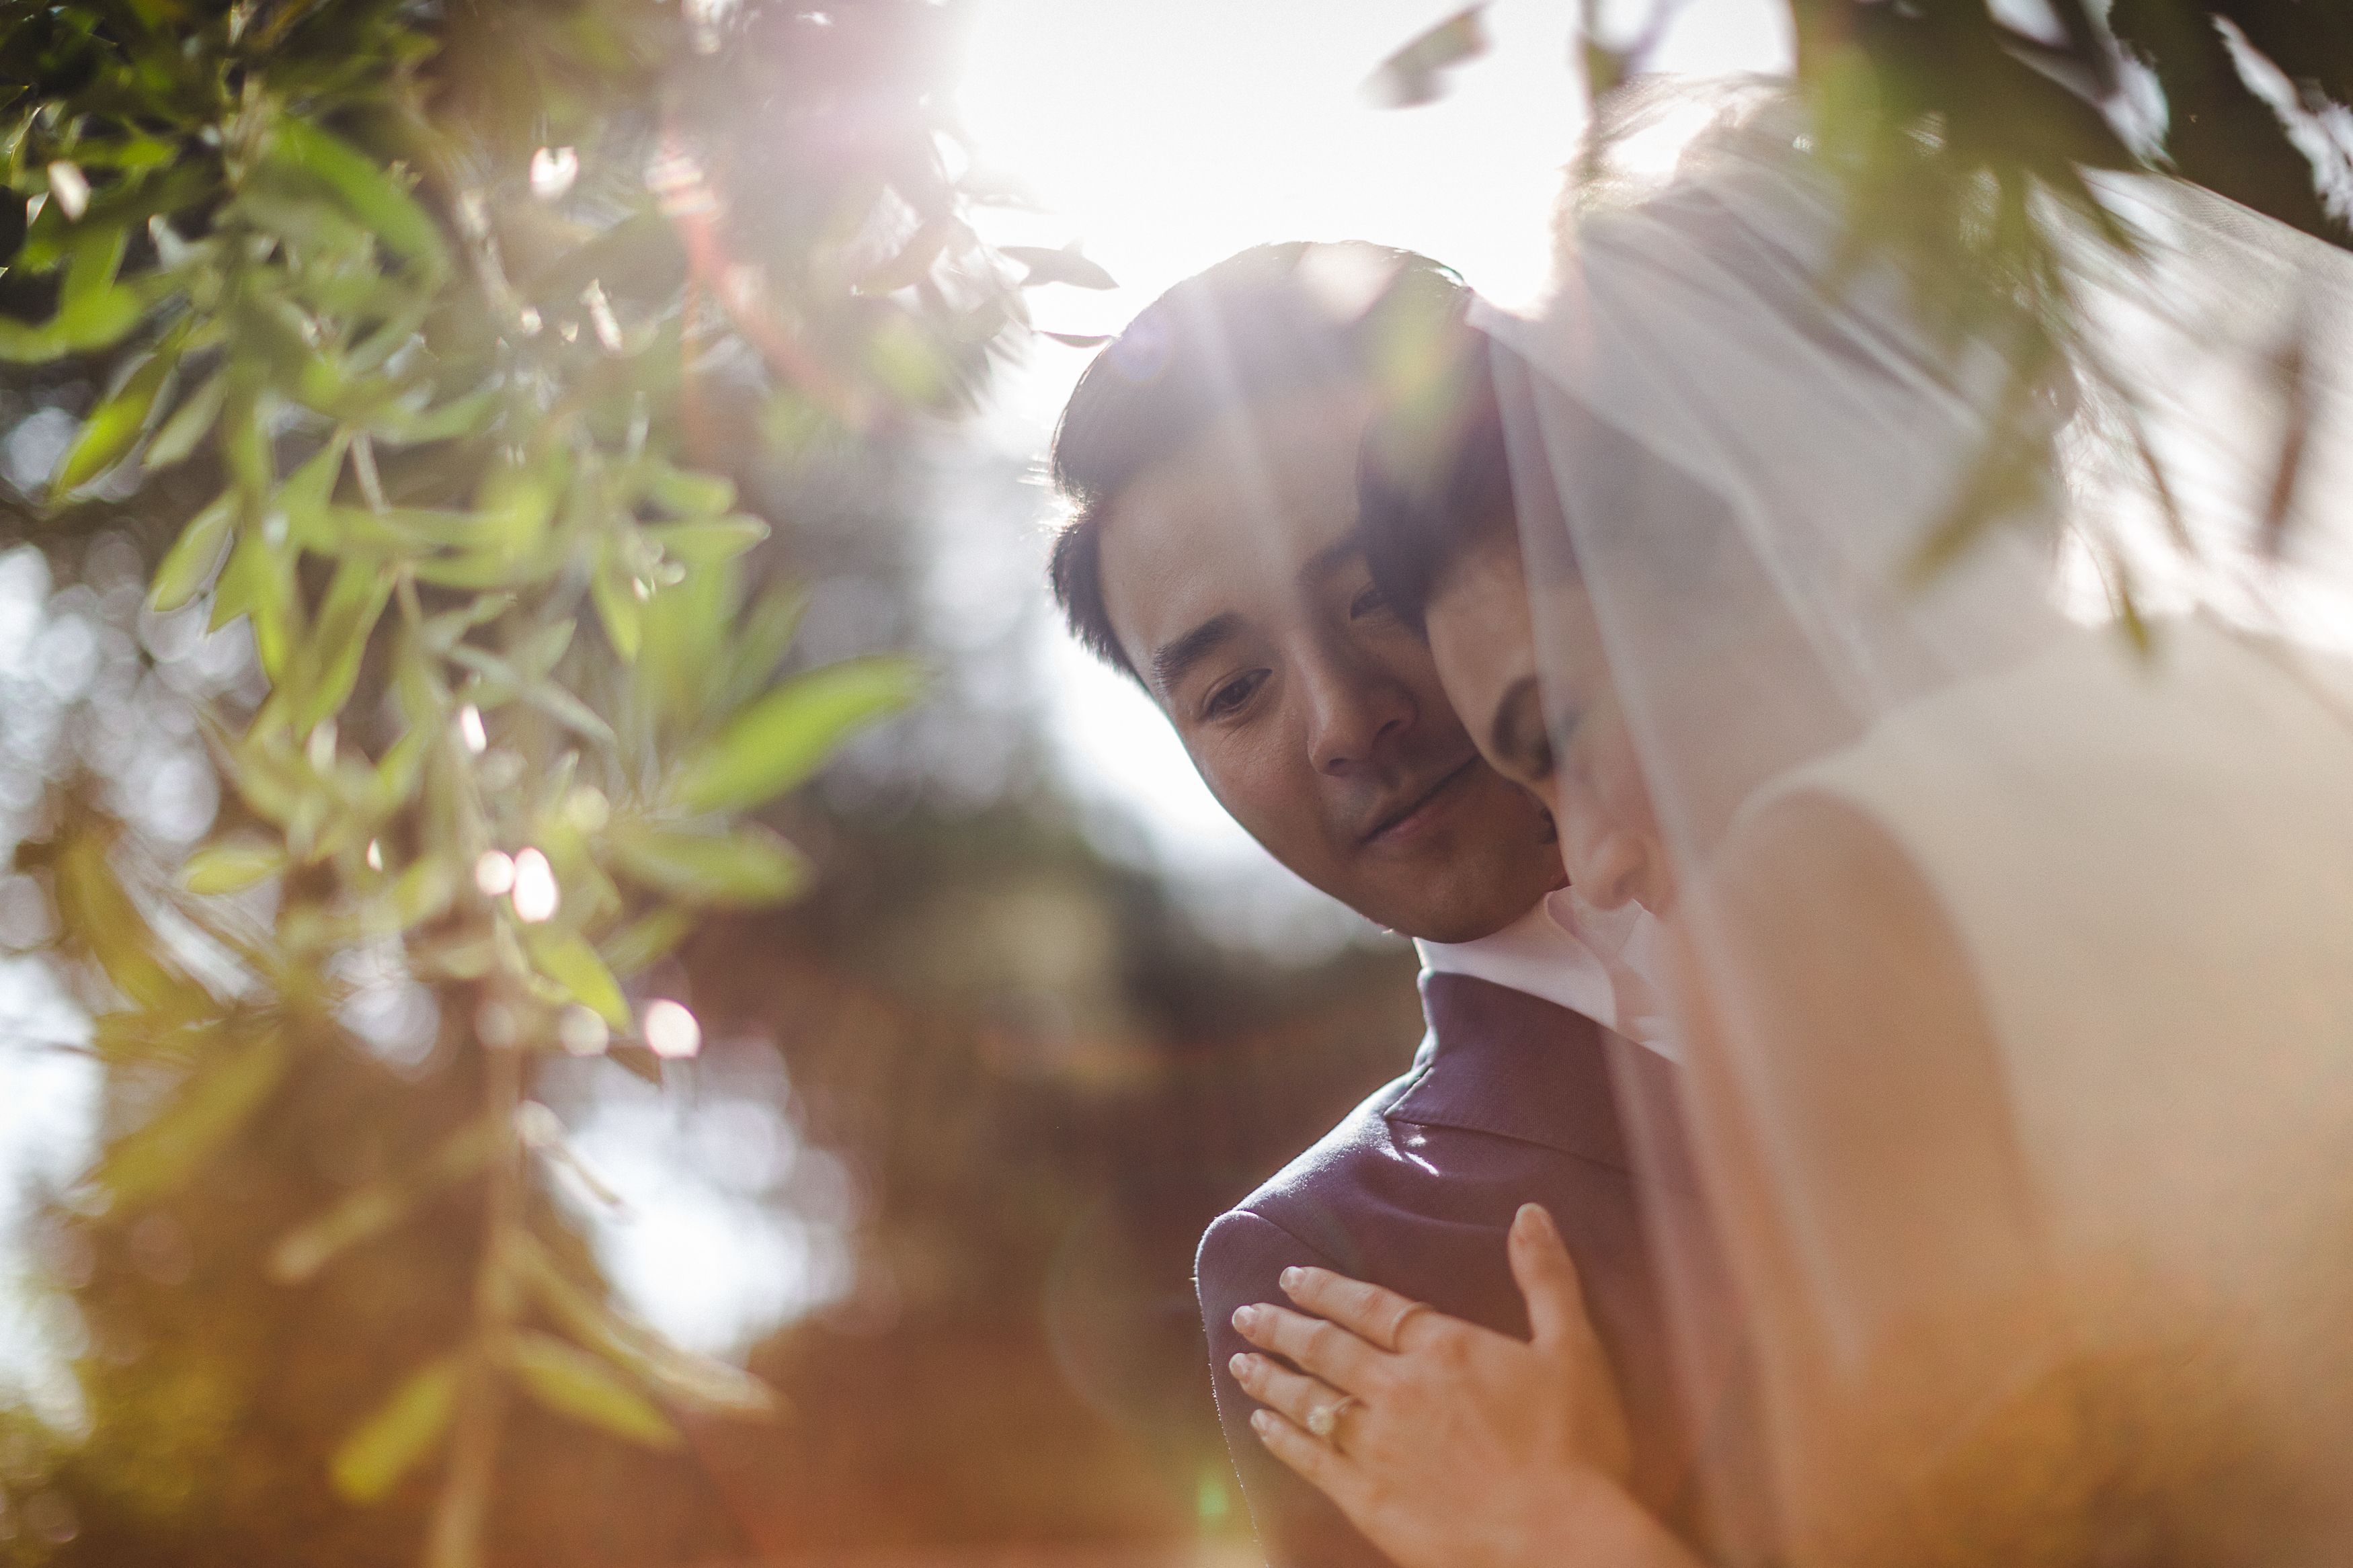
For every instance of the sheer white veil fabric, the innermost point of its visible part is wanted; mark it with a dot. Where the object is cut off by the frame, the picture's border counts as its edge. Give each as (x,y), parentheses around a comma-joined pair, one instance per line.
(2133,831)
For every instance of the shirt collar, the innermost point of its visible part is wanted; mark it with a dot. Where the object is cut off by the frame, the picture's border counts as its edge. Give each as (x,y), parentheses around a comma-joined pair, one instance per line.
(1604,963)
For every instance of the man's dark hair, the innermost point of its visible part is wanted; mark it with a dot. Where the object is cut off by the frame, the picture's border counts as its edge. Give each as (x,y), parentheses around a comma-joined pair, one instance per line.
(1433,477)
(1273,321)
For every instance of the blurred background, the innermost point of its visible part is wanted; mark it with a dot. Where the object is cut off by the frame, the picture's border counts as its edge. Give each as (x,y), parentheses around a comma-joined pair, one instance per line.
(962,1106)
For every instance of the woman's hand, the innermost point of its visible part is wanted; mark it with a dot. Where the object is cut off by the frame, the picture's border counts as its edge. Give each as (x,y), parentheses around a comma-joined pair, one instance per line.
(1451,1446)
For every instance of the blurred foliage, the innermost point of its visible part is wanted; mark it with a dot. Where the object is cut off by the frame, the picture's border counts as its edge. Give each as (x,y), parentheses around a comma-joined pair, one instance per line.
(1949,113)
(1966,131)
(1964,135)
(411,328)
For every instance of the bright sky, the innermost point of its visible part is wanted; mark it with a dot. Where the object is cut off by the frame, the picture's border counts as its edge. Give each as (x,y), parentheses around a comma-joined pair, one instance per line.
(1167,137)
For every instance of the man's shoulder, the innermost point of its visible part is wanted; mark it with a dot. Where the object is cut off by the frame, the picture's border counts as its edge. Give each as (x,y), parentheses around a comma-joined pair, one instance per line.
(1315,1210)
(1300,1199)
(1449,1149)
(1365,1135)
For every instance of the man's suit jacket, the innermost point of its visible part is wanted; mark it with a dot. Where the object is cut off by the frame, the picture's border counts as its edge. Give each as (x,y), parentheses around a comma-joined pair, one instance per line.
(1509,1101)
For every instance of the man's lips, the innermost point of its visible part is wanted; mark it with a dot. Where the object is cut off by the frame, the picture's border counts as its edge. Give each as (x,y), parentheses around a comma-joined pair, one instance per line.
(1400,823)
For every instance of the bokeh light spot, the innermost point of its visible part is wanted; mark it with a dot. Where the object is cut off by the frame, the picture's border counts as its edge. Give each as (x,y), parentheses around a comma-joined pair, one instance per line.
(670,1030)
(535,894)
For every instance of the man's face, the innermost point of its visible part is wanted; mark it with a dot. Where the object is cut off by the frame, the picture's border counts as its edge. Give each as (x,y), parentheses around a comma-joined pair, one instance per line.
(1314,714)
(1579,754)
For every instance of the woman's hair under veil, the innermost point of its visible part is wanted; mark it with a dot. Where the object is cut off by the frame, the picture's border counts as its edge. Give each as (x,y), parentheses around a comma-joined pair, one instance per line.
(1433,476)
(1742,446)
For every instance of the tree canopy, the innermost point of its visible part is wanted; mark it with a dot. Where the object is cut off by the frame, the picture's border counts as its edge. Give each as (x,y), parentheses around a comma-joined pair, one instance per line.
(415,330)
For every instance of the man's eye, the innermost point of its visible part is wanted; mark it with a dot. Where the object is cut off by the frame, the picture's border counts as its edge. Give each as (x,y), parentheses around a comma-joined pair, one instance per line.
(1366,603)
(1226,698)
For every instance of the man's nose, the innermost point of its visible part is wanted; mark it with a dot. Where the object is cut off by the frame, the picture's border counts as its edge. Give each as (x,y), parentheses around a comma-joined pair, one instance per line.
(1356,708)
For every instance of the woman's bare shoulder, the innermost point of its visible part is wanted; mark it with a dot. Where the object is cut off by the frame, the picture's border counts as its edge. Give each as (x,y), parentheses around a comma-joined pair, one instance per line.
(1820,873)
(1824,959)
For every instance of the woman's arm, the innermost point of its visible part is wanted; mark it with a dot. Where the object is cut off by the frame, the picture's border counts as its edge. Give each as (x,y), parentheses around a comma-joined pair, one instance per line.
(1856,1134)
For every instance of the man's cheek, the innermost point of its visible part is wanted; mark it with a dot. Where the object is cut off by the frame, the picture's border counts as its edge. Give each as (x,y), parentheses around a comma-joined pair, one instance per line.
(1239,776)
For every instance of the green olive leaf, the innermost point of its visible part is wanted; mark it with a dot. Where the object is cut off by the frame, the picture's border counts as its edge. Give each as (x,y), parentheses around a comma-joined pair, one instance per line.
(339,637)
(697,1382)
(190,561)
(378,1206)
(709,543)
(188,423)
(573,1383)
(683,493)
(364,187)
(226,866)
(566,958)
(114,424)
(619,610)
(642,944)
(216,1101)
(747,868)
(389,1443)
(783,739)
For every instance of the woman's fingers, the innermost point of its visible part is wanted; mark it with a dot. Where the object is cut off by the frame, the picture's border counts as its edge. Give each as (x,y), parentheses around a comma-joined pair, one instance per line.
(1325,1349)
(1547,1278)
(1563,1334)
(1322,1464)
(1270,1382)
(1362,1309)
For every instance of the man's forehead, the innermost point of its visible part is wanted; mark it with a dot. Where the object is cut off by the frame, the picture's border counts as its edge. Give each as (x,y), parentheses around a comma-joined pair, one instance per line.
(1260,487)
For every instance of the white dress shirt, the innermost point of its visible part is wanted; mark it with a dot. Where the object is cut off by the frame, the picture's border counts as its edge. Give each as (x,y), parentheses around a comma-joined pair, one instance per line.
(1608,965)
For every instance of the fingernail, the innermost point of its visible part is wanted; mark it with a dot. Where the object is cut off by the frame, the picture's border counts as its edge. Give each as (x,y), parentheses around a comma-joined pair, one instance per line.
(1244,1317)
(1292,1276)
(1532,1220)
(1240,1365)
(1261,1422)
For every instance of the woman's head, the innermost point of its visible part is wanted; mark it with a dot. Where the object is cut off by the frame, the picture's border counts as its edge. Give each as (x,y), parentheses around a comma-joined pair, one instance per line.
(1738,460)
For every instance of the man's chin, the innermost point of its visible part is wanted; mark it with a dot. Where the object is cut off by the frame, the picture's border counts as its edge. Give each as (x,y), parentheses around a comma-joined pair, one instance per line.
(1466,880)
(1453,908)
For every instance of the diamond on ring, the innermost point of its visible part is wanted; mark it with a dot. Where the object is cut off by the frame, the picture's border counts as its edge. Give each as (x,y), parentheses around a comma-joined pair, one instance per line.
(1325,1418)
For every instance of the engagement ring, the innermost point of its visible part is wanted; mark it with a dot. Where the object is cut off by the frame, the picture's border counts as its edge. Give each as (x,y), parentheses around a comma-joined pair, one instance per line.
(1324,1419)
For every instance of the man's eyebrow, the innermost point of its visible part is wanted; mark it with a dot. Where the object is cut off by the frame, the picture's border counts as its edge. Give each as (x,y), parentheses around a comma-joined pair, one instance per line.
(1504,734)
(1174,657)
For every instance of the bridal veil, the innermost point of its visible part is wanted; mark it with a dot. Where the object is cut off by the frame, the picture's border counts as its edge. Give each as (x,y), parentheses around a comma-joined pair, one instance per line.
(2006,612)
